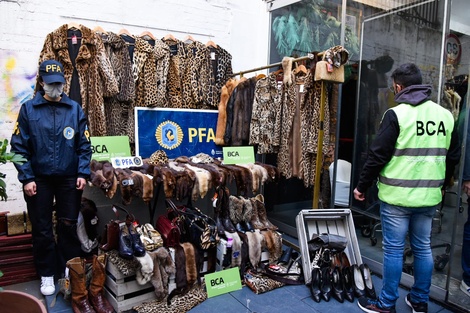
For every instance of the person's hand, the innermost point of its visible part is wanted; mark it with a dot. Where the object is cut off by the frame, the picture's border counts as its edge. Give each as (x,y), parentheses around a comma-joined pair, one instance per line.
(81,182)
(466,187)
(359,195)
(30,189)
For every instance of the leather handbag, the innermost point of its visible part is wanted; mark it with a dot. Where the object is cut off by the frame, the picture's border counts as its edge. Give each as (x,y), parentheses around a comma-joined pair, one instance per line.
(196,227)
(168,230)
(18,224)
(328,72)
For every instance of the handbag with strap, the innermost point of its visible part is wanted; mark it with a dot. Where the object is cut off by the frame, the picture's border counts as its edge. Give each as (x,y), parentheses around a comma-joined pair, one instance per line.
(18,223)
(328,72)
(168,230)
(196,227)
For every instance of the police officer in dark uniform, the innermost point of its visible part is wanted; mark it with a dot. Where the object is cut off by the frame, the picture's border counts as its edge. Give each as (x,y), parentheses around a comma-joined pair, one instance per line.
(51,133)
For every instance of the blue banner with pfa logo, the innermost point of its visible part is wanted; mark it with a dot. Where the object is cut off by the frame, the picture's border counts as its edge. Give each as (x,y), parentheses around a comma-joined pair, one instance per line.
(178,132)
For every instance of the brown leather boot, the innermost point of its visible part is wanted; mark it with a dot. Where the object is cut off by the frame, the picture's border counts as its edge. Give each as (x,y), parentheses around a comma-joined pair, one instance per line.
(110,238)
(80,302)
(96,290)
(263,216)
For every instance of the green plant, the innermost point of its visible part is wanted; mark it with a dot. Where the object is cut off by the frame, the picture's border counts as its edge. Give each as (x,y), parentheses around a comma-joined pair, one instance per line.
(4,158)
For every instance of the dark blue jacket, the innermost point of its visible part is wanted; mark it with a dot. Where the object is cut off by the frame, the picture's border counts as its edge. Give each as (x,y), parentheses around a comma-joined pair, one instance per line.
(53,137)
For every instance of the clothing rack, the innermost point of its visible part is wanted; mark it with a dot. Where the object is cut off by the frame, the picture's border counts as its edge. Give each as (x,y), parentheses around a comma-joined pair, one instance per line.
(136,25)
(309,56)
(316,186)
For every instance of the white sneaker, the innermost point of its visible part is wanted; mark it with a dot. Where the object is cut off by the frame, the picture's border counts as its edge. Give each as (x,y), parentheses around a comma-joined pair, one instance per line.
(47,285)
(465,288)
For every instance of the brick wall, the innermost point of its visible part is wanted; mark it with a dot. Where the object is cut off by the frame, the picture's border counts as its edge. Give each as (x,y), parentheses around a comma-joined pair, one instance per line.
(239,26)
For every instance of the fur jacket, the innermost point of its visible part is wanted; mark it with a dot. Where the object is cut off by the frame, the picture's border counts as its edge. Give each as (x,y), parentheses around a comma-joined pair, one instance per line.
(266,105)
(150,73)
(227,90)
(95,73)
(238,120)
(117,108)
(220,70)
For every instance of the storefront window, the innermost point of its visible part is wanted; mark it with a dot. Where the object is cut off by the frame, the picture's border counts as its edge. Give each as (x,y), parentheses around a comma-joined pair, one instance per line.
(380,35)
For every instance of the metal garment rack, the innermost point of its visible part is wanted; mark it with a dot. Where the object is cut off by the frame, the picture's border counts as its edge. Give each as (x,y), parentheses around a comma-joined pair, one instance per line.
(318,165)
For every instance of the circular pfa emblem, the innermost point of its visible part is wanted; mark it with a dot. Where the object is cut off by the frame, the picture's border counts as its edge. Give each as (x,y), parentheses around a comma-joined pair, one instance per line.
(69,132)
(169,135)
(137,161)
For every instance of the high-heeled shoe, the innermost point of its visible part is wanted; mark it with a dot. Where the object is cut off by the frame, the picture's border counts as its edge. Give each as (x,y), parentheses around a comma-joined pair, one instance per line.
(137,245)
(315,284)
(125,243)
(325,286)
(337,284)
(369,285)
(348,284)
(358,282)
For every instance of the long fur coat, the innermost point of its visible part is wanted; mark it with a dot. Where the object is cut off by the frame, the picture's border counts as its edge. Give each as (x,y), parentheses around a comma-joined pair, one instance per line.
(95,74)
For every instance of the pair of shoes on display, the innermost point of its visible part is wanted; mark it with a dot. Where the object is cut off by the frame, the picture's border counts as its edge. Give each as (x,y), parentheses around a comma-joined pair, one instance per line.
(374,305)
(47,285)
(421,307)
(362,281)
(465,288)
(130,244)
(321,285)
(333,279)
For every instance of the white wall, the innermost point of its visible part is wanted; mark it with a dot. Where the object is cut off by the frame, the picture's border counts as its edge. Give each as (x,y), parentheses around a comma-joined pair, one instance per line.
(239,26)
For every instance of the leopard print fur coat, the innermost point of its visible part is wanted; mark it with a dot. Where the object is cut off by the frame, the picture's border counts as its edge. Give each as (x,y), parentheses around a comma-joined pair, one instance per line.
(220,70)
(117,107)
(266,104)
(150,73)
(95,73)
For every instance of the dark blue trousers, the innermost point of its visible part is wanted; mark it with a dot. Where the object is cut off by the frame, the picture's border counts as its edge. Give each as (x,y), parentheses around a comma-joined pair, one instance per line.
(50,256)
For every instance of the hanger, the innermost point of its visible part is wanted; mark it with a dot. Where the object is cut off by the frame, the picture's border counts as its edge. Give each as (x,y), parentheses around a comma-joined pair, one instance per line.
(124,31)
(99,29)
(259,76)
(147,33)
(189,39)
(169,37)
(300,69)
(72,25)
(210,43)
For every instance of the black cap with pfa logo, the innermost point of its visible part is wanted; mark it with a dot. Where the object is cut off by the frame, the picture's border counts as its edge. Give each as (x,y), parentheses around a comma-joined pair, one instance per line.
(51,71)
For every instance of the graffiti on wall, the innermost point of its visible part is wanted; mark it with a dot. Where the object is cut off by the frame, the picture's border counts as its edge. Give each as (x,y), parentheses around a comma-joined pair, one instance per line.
(16,87)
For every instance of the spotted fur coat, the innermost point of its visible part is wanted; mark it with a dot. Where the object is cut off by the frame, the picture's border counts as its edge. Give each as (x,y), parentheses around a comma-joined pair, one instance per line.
(117,107)
(96,76)
(150,73)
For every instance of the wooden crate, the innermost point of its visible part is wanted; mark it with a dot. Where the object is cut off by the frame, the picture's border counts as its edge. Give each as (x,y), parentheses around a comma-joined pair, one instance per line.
(123,292)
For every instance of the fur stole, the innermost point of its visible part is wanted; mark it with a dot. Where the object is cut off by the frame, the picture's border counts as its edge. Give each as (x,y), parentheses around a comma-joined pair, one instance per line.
(255,241)
(145,273)
(163,267)
(273,241)
(287,69)
(236,249)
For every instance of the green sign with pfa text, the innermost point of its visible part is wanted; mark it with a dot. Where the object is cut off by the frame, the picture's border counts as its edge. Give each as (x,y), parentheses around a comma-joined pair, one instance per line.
(107,147)
(222,282)
(238,155)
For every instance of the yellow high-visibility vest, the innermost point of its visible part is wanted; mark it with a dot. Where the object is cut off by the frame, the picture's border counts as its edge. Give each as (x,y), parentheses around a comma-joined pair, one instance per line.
(415,174)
